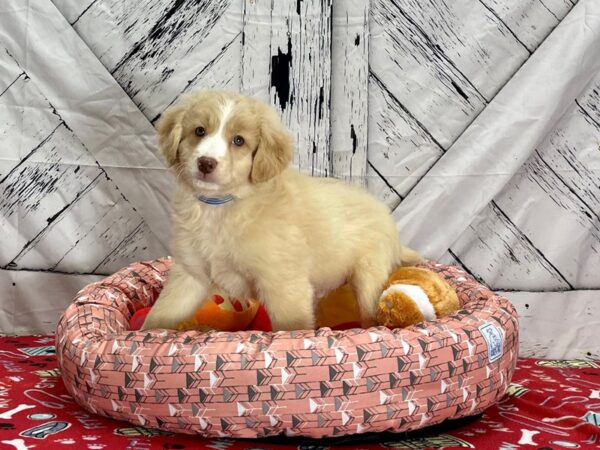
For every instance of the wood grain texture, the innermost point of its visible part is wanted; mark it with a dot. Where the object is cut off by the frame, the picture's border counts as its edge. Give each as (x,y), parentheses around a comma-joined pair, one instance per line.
(434,66)
(558,325)
(513,247)
(550,198)
(481,48)
(381,188)
(495,146)
(401,150)
(442,69)
(73,9)
(419,74)
(154,52)
(589,102)
(21,108)
(530,21)
(287,59)
(90,102)
(350,90)
(495,250)
(222,72)
(59,210)
(33,301)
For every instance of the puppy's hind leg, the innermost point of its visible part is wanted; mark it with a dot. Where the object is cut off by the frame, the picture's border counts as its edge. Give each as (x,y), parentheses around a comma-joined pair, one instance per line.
(180,297)
(367,282)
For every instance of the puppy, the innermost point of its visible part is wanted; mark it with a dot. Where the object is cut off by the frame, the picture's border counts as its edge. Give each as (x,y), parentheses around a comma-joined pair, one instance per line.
(244,222)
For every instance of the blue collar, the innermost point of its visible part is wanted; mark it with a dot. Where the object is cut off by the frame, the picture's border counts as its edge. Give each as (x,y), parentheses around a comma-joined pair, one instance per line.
(216,200)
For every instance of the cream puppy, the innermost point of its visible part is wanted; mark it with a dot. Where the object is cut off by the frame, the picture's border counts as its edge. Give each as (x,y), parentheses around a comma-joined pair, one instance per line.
(244,222)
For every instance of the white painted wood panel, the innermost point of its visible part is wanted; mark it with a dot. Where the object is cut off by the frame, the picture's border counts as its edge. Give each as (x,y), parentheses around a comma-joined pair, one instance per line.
(73,9)
(94,107)
(504,135)
(287,59)
(350,90)
(434,66)
(529,20)
(419,75)
(33,301)
(222,72)
(401,150)
(22,108)
(558,223)
(495,250)
(483,49)
(558,325)
(153,52)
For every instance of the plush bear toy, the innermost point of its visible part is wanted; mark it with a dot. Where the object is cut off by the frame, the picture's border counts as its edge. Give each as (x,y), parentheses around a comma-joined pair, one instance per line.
(411,295)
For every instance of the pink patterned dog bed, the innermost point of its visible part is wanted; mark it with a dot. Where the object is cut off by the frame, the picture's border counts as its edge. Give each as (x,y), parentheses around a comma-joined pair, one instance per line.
(309,383)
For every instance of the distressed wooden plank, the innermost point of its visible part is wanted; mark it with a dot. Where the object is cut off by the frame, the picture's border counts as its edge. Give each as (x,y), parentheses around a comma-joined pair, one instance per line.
(589,101)
(495,146)
(46,176)
(256,51)
(350,90)
(495,251)
(401,150)
(105,121)
(9,71)
(420,75)
(217,73)
(26,120)
(153,52)
(32,301)
(572,153)
(558,325)
(39,188)
(295,74)
(451,259)
(553,212)
(530,20)
(380,188)
(74,9)
(85,239)
(66,217)
(134,243)
(481,47)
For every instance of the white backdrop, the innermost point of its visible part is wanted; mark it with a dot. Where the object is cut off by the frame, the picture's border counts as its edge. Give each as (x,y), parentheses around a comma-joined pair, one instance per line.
(476,121)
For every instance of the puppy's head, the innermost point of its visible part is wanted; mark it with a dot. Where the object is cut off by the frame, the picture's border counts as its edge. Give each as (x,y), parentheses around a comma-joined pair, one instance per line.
(219,141)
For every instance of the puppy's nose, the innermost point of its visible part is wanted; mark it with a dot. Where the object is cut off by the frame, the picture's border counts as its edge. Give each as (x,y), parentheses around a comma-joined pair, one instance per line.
(206,164)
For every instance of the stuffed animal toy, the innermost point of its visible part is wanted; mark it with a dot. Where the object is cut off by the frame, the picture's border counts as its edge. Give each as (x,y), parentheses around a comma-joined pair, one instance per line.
(415,294)
(411,295)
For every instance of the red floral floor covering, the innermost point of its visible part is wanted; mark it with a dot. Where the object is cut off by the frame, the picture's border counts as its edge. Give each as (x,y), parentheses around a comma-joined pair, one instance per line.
(550,405)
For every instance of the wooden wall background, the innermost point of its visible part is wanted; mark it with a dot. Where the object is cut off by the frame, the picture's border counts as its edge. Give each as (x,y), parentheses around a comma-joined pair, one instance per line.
(382,93)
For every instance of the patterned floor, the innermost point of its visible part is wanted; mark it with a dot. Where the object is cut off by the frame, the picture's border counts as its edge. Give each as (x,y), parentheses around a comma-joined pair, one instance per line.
(550,405)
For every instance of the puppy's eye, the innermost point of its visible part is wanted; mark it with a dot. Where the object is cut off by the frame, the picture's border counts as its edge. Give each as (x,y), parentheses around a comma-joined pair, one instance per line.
(238,140)
(200,131)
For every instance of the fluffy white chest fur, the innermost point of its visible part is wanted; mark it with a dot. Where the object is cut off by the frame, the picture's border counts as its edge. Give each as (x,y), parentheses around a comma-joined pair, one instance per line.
(199,245)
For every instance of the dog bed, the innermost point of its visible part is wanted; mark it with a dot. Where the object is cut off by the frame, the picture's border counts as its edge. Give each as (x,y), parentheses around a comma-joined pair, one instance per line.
(302,383)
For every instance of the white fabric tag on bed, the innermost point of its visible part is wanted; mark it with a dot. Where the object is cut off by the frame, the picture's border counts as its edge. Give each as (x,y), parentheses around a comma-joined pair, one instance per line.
(494,340)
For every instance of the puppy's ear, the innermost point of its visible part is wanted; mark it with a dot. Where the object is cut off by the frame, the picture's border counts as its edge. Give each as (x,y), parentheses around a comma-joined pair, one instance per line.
(275,148)
(170,130)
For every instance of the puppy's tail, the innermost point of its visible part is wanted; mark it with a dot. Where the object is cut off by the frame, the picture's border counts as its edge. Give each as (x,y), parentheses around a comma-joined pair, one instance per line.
(408,257)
